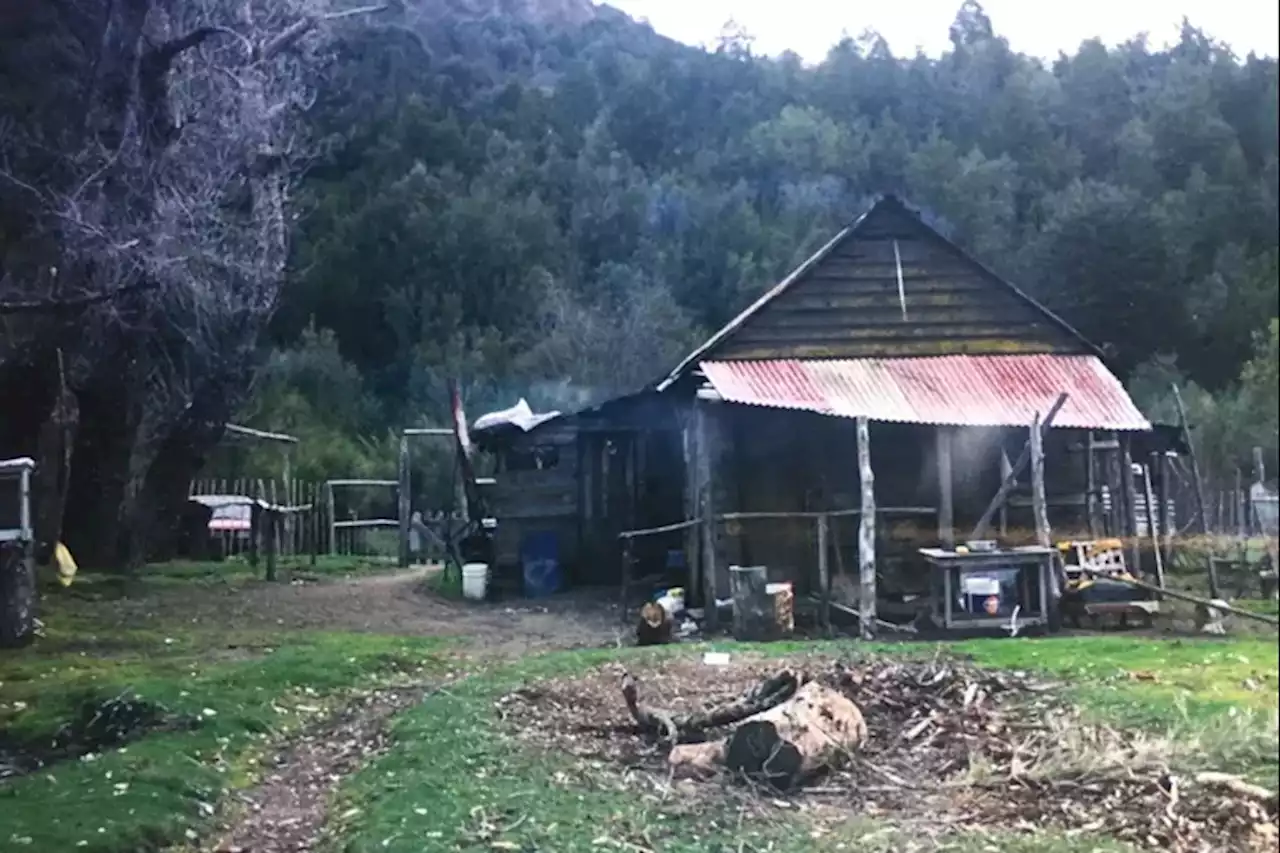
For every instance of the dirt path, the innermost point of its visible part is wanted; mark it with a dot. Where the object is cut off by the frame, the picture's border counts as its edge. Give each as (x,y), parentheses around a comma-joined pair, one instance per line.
(395,603)
(287,811)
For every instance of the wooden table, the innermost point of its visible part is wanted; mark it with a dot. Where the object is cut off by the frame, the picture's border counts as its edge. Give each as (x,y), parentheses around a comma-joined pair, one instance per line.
(1032,578)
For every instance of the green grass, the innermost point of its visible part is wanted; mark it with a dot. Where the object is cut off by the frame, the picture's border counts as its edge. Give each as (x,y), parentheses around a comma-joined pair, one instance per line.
(452,782)
(158,789)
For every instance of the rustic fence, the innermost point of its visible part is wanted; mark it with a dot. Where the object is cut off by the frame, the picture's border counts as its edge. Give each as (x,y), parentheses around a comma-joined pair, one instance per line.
(327,527)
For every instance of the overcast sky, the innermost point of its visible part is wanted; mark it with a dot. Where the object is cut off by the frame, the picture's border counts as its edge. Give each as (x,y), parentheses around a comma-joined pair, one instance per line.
(809,27)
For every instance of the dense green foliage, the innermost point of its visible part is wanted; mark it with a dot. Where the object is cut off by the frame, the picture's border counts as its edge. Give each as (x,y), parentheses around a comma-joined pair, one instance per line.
(554,204)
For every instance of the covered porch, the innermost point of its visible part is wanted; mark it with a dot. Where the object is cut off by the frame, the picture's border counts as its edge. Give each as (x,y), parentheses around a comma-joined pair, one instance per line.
(834,474)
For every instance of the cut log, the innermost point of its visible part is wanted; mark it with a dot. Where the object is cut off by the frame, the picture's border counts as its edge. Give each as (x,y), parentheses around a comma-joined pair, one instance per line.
(814,730)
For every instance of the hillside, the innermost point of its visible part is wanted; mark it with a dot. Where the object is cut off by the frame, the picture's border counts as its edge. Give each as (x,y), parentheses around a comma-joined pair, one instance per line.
(554,203)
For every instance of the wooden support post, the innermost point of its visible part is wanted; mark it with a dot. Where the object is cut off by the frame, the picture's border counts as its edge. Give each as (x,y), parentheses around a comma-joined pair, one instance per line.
(272,523)
(1130,506)
(1039,505)
(1238,498)
(1167,519)
(866,534)
(1201,510)
(332,516)
(1006,471)
(824,572)
(255,534)
(317,522)
(944,438)
(403,507)
(1091,486)
(1153,525)
(706,493)
(624,598)
(290,498)
(692,534)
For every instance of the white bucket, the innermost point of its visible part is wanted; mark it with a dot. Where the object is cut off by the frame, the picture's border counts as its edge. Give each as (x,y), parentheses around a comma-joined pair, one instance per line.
(475,580)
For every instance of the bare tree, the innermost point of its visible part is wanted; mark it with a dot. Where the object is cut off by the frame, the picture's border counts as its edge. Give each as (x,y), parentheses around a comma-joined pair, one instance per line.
(147,153)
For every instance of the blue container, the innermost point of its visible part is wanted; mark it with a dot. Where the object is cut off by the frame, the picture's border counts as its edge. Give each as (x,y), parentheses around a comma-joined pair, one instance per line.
(540,559)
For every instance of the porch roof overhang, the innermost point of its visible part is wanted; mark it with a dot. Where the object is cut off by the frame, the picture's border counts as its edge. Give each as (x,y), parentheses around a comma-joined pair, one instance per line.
(960,390)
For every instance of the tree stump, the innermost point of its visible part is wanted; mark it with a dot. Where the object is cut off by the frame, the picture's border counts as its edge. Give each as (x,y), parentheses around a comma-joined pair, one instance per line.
(753,607)
(654,627)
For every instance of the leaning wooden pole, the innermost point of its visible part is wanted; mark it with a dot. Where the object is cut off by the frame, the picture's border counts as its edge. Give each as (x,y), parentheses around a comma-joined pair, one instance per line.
(1192,599)
(1011,480)
(866,535)
(1201,511)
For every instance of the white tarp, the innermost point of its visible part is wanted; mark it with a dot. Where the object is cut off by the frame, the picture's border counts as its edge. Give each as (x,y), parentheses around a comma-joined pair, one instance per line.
(520,416)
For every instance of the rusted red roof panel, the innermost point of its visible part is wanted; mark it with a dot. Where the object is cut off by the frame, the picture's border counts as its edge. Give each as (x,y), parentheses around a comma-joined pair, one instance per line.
(960,390)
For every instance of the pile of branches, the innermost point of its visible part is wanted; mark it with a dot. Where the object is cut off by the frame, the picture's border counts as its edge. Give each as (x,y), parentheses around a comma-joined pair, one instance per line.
(946,744)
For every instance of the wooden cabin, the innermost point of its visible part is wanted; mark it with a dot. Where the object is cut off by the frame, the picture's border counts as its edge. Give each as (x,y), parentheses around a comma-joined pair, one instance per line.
(890,333)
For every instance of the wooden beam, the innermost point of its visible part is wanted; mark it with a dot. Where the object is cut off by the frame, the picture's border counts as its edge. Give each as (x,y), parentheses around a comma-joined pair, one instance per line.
(944,439)
(249,432)
(1039,507)
(866,534)
(980,529)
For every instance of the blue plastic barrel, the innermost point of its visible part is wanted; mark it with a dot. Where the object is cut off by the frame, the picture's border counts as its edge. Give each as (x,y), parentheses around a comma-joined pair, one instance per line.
(540,558)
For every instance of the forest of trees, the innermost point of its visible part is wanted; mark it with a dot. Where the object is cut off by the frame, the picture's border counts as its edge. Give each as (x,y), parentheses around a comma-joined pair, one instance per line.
(549,200)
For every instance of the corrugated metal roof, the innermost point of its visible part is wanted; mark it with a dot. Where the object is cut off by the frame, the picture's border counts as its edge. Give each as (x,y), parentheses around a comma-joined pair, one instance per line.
(961,390)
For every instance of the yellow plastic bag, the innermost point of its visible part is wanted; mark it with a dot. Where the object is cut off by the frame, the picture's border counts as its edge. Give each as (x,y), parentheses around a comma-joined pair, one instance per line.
(66,564)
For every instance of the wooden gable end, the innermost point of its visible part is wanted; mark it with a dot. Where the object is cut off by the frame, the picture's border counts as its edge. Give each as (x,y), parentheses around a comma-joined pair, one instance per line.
(849,303)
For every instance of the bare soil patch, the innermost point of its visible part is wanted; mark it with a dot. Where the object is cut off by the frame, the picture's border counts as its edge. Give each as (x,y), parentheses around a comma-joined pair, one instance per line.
(98,724)
(395,603)
(288,809)
(951,748)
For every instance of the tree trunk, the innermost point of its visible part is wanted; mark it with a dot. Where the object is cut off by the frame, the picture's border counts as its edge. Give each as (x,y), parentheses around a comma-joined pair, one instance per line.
(100,472)
(17,595)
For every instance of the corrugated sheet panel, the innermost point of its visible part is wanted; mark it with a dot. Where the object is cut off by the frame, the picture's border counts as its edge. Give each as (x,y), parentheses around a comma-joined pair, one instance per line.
(962,390)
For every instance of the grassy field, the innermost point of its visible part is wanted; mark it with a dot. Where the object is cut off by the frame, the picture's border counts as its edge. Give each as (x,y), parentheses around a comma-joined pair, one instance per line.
(454,781)
(216,695)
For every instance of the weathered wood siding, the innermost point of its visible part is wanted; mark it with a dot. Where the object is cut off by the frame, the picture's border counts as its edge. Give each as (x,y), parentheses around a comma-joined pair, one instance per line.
(848,306)
(531,500)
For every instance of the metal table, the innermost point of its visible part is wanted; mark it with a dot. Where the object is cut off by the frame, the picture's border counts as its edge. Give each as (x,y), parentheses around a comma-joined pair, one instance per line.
(991,589)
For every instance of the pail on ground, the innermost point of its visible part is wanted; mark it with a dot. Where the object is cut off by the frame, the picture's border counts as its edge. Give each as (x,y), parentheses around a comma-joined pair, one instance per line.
(475,581)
